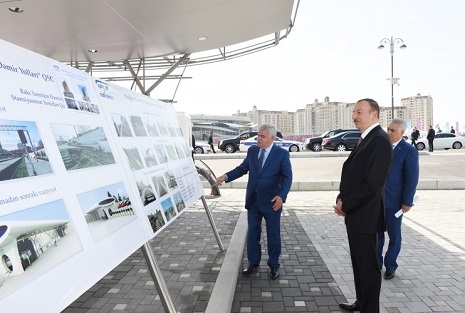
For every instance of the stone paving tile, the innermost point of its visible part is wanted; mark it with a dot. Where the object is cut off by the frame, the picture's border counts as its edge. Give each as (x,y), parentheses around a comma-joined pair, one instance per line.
(431,273)
(305,284)
(316,272)
(188,257)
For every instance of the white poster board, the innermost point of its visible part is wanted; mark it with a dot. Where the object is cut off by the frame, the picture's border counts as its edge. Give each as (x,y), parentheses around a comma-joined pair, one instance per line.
(89,172)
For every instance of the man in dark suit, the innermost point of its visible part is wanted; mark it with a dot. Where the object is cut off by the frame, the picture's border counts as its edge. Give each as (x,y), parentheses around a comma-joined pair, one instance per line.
(399,191)
(414,136)
(270,179)
(430,137)
(210,142)
(361,203)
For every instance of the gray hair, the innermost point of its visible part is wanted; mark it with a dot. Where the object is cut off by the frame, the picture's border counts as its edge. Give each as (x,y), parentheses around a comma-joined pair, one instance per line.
(270,128)
(402,124)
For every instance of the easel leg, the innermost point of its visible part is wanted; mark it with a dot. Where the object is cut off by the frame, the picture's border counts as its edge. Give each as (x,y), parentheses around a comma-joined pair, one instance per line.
(212,223)
(158,279)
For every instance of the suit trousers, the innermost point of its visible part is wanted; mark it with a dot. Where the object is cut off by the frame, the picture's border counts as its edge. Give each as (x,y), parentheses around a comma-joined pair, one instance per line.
(367,276)
(255,216)
(430,145)
(393,226)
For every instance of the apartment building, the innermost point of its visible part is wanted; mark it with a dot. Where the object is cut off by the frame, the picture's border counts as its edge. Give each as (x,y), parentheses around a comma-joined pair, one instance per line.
(420,111)
(313,120)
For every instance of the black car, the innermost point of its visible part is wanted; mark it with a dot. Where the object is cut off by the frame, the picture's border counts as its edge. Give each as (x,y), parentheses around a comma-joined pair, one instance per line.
(231,145)
(343,141)
(315,143)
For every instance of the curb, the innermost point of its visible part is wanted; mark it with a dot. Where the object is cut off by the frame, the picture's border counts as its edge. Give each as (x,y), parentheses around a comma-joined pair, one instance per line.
(222,295)
(450,184)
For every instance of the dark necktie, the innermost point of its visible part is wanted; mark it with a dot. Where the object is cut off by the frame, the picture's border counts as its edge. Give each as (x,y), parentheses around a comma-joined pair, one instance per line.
(260,159)
(359,140)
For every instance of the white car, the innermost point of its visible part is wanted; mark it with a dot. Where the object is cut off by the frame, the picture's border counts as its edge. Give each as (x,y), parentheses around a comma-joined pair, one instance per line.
(442,141)
(202,147)
(290,145)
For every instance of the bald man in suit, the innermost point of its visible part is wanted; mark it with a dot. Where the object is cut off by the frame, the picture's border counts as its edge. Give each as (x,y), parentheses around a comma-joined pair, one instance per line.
(361,202)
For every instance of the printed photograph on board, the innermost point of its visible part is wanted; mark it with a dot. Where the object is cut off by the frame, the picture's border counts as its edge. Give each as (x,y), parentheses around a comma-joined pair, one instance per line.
(76,88)
(149,158)
(182,151)
(152,129)
(160,186)
(163,129)
(138,126)
(34,241)
(133,157)
(168,209)
(121,125)
(145,190)
(160,153)
(171,152)
(82,146)
(171,179)
(172,131)
(178,201)
(22,151)
(85,104)
(156,219)
(78,100)
(106,209)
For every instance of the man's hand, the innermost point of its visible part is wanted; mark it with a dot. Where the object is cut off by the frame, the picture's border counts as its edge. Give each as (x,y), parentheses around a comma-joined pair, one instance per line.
(405,208)
(278,203)
(220,180)
(338,208)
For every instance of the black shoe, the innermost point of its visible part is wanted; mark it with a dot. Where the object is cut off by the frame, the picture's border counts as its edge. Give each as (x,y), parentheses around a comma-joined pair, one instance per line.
(389,274)
(249,268)
(350,307)
(274,273)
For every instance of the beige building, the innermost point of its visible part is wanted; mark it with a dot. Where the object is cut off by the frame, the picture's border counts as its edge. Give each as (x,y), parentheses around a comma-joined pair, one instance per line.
(420,111)
(283,120)
(385,114)
(319,117)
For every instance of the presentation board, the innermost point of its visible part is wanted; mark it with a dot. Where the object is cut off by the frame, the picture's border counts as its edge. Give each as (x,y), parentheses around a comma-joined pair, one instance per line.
(89,172)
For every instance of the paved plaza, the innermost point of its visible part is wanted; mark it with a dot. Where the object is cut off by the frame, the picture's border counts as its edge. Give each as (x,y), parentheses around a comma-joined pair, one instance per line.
(315,265)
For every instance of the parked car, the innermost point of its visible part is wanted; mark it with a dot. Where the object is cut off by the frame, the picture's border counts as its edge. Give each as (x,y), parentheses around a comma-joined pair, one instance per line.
(342,141)
(442,141)
(202,147)
(290,145)
(315,143)
(231,145)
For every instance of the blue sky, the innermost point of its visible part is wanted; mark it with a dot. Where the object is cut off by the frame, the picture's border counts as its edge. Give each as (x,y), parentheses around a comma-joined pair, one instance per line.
(10,139)
(49,211)
(332,51)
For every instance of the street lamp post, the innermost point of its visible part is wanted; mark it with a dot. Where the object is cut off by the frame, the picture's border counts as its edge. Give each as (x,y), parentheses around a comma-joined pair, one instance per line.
(393,80)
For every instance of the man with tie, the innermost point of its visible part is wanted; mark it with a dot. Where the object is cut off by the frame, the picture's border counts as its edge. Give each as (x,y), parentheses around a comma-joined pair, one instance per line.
(270,179)
(399,190)
(361,202)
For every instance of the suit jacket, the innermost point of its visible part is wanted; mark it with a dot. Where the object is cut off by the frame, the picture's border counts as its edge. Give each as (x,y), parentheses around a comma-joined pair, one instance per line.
(362,183)
(275,179)
(431,134)
(402,179)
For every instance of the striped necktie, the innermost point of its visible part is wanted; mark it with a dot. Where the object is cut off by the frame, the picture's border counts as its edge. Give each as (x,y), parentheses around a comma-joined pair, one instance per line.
(260,159)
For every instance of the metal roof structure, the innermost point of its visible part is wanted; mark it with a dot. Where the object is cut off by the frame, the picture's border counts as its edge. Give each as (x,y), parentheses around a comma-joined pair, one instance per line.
(140,39)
